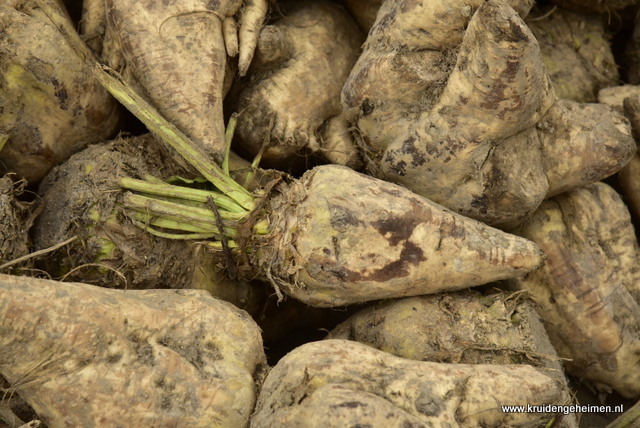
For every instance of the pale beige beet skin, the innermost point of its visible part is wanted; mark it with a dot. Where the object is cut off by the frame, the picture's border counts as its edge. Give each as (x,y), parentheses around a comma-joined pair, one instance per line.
(175,53)
(294,83)
(464,327)
(341,237)
(629,177)
(51,106)
(588,290)
(86,356)
(343,383)
(467,116)
(575,48)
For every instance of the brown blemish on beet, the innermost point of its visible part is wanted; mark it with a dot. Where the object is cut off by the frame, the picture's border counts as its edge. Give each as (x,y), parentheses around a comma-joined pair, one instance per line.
(386,20)
(398,168)
(400,228)
(409,148)
(411,255)
(60,93)
(342,217)
(396,229)
(351,404)
(351,97)
(377,190)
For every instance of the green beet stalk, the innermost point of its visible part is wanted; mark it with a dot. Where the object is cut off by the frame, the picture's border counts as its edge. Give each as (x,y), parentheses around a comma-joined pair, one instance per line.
(174,137)
(201,217)
(233,200)
(177,192)
(167,210)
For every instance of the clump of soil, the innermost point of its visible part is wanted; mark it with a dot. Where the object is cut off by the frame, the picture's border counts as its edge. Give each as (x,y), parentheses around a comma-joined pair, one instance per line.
(15,220)
(81,198)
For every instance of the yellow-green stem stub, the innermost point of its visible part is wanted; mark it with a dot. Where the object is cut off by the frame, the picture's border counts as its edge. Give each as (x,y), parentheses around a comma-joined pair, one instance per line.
(228,137)
(168,235)
(200,217)
(217,245)
(178,192)
(169,224)
(177,212)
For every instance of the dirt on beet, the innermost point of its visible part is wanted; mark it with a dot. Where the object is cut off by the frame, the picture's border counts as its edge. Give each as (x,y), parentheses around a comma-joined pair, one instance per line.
(15,219)
(81,198)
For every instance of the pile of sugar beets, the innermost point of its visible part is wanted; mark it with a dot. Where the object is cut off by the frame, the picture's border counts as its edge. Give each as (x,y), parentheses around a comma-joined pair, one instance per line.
(402,196)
